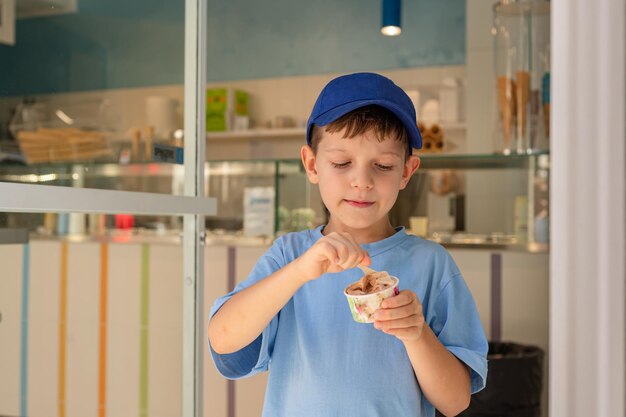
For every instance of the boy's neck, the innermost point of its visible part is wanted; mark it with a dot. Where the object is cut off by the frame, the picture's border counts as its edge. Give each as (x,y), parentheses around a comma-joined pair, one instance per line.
(370,234)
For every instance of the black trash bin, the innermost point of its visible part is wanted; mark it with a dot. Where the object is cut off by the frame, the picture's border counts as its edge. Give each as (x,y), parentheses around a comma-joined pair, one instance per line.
(514,383)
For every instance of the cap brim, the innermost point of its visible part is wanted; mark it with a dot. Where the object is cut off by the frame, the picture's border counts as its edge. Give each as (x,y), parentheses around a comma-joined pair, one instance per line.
(415,138)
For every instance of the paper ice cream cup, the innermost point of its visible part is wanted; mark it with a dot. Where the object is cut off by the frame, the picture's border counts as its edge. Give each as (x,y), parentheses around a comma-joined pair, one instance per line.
(364,306)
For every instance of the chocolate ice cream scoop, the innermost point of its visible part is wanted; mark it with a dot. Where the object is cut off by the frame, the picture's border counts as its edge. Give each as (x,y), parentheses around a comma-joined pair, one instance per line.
(372,281)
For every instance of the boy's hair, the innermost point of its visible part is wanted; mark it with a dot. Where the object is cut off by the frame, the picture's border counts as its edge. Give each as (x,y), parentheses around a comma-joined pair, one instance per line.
(376,119)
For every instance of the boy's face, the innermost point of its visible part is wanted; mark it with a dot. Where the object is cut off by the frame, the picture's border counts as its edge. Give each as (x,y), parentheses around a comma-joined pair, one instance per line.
(359,179)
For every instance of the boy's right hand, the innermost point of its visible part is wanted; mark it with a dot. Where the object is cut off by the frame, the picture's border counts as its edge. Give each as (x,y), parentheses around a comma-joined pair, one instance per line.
(334,252)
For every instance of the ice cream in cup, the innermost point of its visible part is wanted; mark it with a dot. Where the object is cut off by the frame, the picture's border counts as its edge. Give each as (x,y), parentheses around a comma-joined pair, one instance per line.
(365,295)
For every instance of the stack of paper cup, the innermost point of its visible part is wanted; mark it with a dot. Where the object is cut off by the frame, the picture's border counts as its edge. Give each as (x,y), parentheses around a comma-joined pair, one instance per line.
(414,95)
(161,115)
(449,100)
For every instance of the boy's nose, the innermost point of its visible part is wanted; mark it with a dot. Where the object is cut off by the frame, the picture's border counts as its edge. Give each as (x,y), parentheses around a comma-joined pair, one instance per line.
(362,181)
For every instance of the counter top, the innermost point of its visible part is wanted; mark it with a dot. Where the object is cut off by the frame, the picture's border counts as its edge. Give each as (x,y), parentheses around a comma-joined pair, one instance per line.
(141,236)
(169,237)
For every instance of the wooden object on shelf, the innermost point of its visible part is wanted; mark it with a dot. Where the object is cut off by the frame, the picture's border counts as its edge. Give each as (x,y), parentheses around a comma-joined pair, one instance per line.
(46,145)
(136,140)
(433,138)
(149,137)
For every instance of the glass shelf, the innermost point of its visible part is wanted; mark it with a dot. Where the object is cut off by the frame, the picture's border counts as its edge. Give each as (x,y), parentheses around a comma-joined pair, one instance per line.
(480,161)
(277,133)
(528,247)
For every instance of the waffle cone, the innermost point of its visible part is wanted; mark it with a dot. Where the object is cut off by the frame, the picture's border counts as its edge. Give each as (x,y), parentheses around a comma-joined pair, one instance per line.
(506,101)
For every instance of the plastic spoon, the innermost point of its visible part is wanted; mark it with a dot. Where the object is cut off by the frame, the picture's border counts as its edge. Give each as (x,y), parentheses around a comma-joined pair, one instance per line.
(367,270)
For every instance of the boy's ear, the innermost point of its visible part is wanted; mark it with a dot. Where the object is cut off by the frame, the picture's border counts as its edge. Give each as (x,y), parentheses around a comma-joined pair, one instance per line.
(410,166)
(308,161)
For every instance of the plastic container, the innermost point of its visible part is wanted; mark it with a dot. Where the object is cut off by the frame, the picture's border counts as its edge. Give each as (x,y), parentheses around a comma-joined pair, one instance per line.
(71,132)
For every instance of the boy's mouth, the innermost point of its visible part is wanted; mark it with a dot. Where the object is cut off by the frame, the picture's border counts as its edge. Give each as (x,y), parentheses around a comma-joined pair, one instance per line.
(358,203)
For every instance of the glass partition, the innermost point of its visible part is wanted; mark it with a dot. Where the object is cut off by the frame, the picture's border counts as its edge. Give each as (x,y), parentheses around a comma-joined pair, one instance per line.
(90,83)
(91,101)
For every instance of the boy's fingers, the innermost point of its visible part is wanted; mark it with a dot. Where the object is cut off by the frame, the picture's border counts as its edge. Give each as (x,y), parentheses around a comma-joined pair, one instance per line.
(366,260)
(404,333)
(340,248)
(363,253)
(355,249)
(337,254)
(347,252)
(348,238)
(403,298)
(329,252)
(357,254)
(400,323)
(391,314)
(350,253)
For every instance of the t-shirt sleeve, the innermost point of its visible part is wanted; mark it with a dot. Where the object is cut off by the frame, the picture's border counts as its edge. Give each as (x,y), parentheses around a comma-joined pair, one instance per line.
(255,357)
(457,325)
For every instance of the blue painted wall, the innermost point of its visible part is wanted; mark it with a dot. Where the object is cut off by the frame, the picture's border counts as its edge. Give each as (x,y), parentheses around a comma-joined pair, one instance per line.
(121,43)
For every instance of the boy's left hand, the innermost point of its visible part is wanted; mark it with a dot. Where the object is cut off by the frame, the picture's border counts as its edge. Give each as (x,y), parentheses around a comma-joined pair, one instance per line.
(401,316)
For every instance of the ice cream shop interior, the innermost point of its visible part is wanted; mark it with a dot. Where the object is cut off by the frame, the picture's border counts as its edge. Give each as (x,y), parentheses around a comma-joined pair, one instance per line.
(150,154)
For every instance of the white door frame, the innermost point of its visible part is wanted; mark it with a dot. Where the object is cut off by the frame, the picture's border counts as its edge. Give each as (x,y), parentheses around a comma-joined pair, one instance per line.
(35,198)
(587,266)
(194,340)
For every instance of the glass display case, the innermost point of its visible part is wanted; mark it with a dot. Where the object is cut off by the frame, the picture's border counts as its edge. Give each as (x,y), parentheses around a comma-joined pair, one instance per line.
(473,201)
(492,201)
(239,187)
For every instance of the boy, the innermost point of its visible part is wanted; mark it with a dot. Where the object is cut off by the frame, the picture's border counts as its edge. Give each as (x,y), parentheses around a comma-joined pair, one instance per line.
(426,349)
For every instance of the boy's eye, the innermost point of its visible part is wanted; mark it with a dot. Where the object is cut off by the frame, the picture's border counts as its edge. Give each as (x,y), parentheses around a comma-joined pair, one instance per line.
(384,167)
(340,164)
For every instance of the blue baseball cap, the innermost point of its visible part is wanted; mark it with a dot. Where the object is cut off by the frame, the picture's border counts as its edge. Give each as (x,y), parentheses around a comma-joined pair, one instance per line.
(353,91)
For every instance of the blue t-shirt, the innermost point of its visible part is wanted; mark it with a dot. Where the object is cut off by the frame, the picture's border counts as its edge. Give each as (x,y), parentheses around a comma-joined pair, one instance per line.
(323,363)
